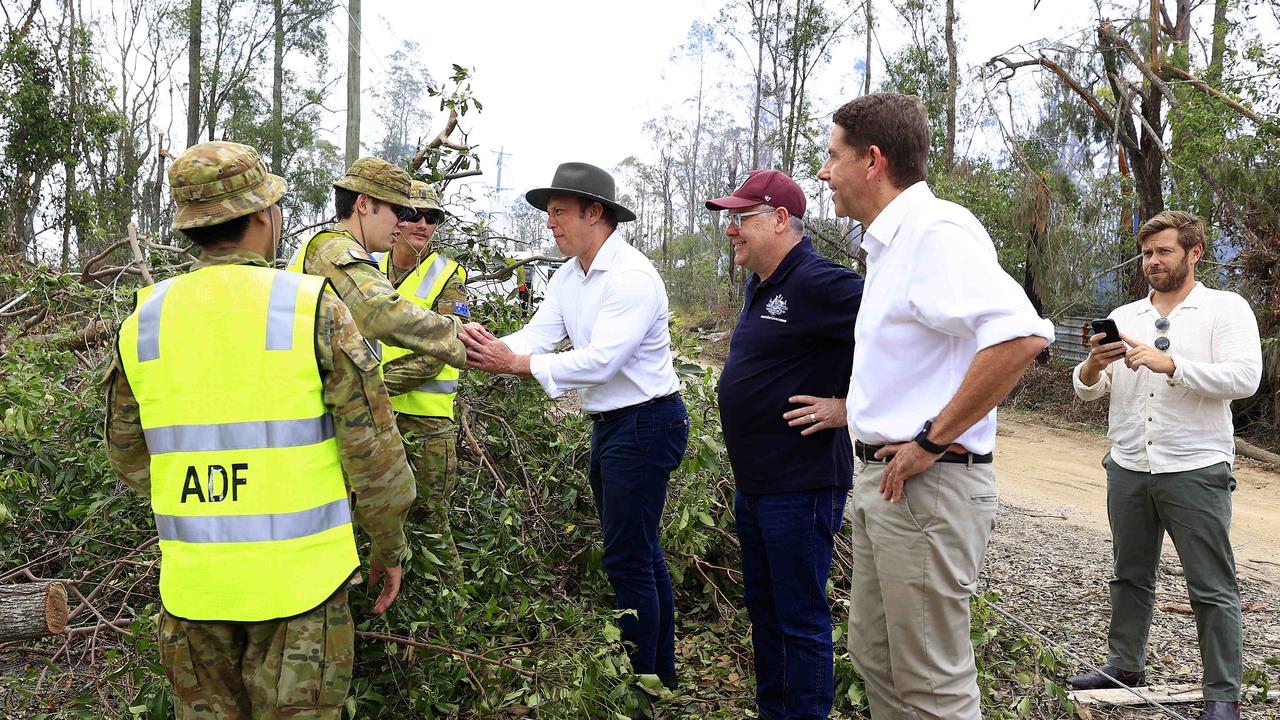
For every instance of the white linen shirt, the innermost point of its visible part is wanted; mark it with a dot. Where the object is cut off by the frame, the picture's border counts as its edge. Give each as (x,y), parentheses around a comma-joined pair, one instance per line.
(1162,424)
(935,295)
(616,317)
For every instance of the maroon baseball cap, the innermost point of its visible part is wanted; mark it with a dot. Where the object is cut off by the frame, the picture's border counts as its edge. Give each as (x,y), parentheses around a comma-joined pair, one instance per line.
(764,187)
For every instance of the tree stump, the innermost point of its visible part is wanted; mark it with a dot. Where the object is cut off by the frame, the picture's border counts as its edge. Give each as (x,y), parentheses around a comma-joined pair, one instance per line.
(32,610)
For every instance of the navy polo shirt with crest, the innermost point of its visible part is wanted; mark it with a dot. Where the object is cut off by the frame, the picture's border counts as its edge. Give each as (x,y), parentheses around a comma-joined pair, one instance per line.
(793,337)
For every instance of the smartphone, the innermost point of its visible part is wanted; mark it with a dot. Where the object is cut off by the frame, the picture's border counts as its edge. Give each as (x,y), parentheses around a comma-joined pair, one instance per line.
(1107,327)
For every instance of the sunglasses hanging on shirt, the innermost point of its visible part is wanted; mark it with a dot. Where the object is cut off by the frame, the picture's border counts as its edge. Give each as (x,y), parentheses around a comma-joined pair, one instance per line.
(1162,340)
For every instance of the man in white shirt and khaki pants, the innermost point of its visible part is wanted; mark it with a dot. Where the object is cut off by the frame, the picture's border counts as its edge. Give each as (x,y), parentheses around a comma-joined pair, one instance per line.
(611,303)
(1185,353)
(943,334)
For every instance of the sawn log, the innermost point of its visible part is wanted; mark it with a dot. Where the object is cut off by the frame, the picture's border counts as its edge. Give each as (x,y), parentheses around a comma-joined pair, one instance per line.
(32,610)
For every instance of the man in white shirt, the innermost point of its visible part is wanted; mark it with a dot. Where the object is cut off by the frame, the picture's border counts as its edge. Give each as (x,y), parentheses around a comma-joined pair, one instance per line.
(612,304)
(1185,353)
(943,334)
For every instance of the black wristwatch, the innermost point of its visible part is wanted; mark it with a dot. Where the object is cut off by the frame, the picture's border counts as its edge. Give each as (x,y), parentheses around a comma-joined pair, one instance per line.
(930,446)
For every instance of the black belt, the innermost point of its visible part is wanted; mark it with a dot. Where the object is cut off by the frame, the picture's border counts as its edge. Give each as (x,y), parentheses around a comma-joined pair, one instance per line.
(611,414)
(867,453)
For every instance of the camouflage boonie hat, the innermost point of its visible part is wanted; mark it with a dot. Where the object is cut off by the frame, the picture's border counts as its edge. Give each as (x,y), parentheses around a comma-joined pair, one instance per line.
(378,179)
(217,181)
(424,197)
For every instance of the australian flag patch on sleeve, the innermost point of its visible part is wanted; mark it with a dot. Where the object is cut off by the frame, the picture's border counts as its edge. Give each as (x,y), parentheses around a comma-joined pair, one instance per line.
(460,308)
(362,255)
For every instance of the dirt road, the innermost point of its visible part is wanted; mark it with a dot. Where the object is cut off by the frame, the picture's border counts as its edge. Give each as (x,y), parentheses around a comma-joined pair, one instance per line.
(1058,471)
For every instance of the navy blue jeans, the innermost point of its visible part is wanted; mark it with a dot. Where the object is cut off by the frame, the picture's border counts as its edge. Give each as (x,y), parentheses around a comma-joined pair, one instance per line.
(632,456)
(787,541)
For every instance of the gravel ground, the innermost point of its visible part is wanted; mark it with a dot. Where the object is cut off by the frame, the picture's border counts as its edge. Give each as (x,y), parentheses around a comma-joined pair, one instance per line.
(1054,574)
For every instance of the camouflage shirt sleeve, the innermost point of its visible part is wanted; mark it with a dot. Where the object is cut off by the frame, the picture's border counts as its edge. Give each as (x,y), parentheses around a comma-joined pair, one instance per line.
(369,444)
(379,311)
(409,371)
(126,446)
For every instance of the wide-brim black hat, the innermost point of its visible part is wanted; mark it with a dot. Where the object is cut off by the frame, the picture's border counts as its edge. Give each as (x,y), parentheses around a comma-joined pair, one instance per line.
(581,180)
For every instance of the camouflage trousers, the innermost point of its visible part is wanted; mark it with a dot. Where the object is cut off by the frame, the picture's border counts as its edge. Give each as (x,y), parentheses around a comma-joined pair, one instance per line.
(431,445)
(294,668)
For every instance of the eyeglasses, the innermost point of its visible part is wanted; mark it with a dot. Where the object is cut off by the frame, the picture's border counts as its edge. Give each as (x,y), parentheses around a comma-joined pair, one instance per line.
(1162,327)
(735,219)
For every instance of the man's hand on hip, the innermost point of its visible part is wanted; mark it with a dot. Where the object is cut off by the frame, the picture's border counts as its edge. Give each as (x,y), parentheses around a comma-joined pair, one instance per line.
(815,413)
(909,460)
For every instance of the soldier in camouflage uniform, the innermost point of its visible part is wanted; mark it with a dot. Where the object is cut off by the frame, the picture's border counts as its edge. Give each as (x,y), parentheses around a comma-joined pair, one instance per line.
(430,441)
(369,201)
(299,666)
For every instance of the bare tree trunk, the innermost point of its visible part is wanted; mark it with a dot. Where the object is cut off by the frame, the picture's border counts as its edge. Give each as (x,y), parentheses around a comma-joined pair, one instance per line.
(277,93)
(866,78)
(353,81)
(953,84)
(1039,227)
(194,24)
(68,164)
(1220,27)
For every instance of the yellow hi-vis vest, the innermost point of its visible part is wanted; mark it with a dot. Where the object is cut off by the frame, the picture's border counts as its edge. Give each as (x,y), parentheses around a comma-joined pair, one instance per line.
(246,481)
(300,255)
(422,287)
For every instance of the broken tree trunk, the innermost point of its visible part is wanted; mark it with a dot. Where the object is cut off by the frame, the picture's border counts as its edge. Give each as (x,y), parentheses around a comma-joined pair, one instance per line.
(32,610)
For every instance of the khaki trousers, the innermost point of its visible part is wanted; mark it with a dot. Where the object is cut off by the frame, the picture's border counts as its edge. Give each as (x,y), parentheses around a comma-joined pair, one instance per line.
(915,567)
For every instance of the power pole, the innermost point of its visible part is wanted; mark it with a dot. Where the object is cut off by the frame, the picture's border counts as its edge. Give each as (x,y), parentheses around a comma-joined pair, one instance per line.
(193,73)
(353,81)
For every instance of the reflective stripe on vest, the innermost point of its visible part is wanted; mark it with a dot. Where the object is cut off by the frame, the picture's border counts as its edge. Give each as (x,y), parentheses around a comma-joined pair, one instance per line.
(246,481)
(439,386)
(215,437)
(422,287)
(254,528)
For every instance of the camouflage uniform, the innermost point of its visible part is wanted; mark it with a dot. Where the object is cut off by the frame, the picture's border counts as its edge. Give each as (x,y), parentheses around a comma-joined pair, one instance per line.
(301,666)
(379,311)
(430,442)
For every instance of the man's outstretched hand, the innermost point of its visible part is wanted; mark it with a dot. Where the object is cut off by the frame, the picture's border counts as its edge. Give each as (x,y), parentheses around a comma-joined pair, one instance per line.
(487,353)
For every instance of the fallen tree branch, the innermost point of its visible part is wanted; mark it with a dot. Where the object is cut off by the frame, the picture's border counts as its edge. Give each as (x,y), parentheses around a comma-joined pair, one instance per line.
(140,261)
(119,626)
(505,272)
(484,459)
(440,140)
(504,663)
(1254,452)
(463,174)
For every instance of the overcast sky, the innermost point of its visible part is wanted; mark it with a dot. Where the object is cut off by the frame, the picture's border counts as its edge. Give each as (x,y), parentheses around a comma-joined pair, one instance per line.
(576,80)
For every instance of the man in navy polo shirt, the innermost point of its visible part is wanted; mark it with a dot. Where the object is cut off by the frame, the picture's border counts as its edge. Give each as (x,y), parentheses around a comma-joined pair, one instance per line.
(782,408)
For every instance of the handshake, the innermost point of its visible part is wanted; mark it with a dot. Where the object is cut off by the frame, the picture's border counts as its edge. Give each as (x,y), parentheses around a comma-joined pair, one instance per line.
(486,352)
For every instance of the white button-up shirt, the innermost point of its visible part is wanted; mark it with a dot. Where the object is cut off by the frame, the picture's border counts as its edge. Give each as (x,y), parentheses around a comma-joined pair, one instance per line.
(935,295)
(616,317)
(1162,424)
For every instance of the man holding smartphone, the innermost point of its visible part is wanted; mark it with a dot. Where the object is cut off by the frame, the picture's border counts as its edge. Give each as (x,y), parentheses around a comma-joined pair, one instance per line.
(1185,352)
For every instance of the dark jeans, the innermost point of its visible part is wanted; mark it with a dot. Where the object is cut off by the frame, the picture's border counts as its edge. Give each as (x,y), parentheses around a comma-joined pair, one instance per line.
(787,542)
(632,456)
(1194,507)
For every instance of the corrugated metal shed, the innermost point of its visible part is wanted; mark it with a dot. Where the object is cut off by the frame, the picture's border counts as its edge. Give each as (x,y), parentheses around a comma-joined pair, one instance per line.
(1071,337)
